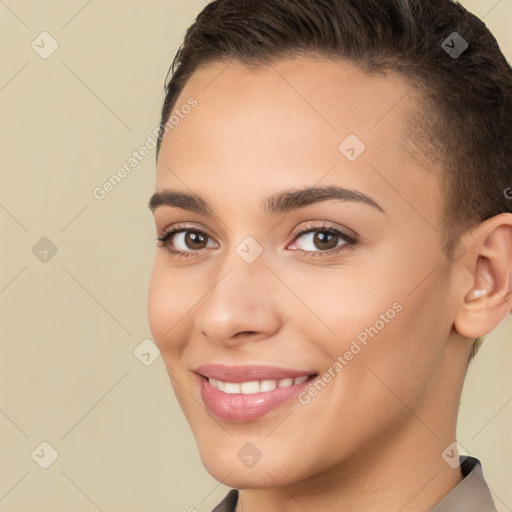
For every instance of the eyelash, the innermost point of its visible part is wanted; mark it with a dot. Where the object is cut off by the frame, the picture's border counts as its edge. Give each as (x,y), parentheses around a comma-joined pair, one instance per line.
(164,238)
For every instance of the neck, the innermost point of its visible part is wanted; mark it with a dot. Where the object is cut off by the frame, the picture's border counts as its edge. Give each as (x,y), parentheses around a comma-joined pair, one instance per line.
(386,477)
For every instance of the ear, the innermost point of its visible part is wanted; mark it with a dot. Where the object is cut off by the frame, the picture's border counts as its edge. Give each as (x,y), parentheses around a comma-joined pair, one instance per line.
(487,267)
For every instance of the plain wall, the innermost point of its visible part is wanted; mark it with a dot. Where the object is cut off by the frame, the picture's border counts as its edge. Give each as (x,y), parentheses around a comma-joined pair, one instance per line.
(70,321)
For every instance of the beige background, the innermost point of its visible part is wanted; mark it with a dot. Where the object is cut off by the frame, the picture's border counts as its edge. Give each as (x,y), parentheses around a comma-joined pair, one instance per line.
(70,324)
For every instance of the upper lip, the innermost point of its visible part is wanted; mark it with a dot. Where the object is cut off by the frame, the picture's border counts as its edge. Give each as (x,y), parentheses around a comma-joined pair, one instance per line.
(248,372)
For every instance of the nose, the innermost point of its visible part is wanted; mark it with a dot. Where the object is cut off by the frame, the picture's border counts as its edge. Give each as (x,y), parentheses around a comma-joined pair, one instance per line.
(241,305)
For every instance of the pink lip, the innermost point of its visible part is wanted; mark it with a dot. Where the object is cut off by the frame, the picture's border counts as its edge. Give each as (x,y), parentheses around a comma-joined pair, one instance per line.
(248,372)
(240,407)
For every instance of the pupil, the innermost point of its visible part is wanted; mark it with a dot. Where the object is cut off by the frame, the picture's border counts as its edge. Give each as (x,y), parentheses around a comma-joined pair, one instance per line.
(321,238)
(192,238)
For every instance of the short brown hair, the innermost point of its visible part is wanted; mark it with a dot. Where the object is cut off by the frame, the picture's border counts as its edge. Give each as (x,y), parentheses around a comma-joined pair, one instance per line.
(465,119)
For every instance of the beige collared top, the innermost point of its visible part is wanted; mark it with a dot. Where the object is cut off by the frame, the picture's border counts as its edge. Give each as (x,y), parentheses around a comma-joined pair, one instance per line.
(470,495)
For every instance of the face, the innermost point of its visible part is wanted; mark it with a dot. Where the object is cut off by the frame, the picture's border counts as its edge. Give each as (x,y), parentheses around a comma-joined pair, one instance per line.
(336,298)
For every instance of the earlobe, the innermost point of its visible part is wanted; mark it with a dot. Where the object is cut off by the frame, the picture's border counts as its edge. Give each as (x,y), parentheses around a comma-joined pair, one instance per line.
(489,265)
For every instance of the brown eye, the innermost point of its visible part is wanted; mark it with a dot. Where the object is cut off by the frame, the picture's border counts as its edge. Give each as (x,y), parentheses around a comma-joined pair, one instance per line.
(185,241)
(321,240)
(325,240)
(194,240)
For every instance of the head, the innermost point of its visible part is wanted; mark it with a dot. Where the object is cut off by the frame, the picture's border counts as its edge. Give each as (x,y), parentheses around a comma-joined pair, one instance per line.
(404,149)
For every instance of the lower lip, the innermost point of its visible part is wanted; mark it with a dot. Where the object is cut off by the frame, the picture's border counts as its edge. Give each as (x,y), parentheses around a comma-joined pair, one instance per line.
(240,407)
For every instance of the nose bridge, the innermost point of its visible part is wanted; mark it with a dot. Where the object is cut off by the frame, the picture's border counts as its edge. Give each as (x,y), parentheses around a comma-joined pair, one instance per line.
(240,298)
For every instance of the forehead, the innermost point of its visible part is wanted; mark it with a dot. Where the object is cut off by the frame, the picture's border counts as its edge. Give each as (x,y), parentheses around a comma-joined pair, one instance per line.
(297,121)
(309,96)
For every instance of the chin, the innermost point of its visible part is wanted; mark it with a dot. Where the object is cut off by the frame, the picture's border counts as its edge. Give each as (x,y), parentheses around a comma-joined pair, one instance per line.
(238,477)
(226,465)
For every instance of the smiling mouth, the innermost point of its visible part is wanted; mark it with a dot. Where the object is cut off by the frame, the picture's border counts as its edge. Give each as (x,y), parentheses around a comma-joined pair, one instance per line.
(251,399)
(257,386)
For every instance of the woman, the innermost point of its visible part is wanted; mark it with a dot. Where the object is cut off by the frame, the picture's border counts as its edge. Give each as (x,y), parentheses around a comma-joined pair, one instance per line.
(334,241)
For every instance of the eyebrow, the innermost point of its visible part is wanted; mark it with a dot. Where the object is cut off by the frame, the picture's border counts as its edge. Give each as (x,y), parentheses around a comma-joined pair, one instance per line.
(280,202)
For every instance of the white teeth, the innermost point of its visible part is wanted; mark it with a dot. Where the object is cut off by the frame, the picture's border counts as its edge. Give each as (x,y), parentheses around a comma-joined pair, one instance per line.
(248,388)
(255,386)
(284,383)
(231,387)
(268,385)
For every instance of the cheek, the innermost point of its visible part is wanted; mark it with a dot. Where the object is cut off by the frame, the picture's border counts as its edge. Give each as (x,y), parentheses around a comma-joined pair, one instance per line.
(157,299)
(167,320)
(398,358)
(380,318)
(165,312)
(343,303)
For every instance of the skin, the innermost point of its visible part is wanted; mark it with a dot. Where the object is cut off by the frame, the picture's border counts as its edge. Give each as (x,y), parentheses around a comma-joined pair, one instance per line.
(356,445)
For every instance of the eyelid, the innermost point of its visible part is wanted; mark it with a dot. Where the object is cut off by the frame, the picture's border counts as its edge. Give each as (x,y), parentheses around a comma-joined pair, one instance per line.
(183,226)
(314,226)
